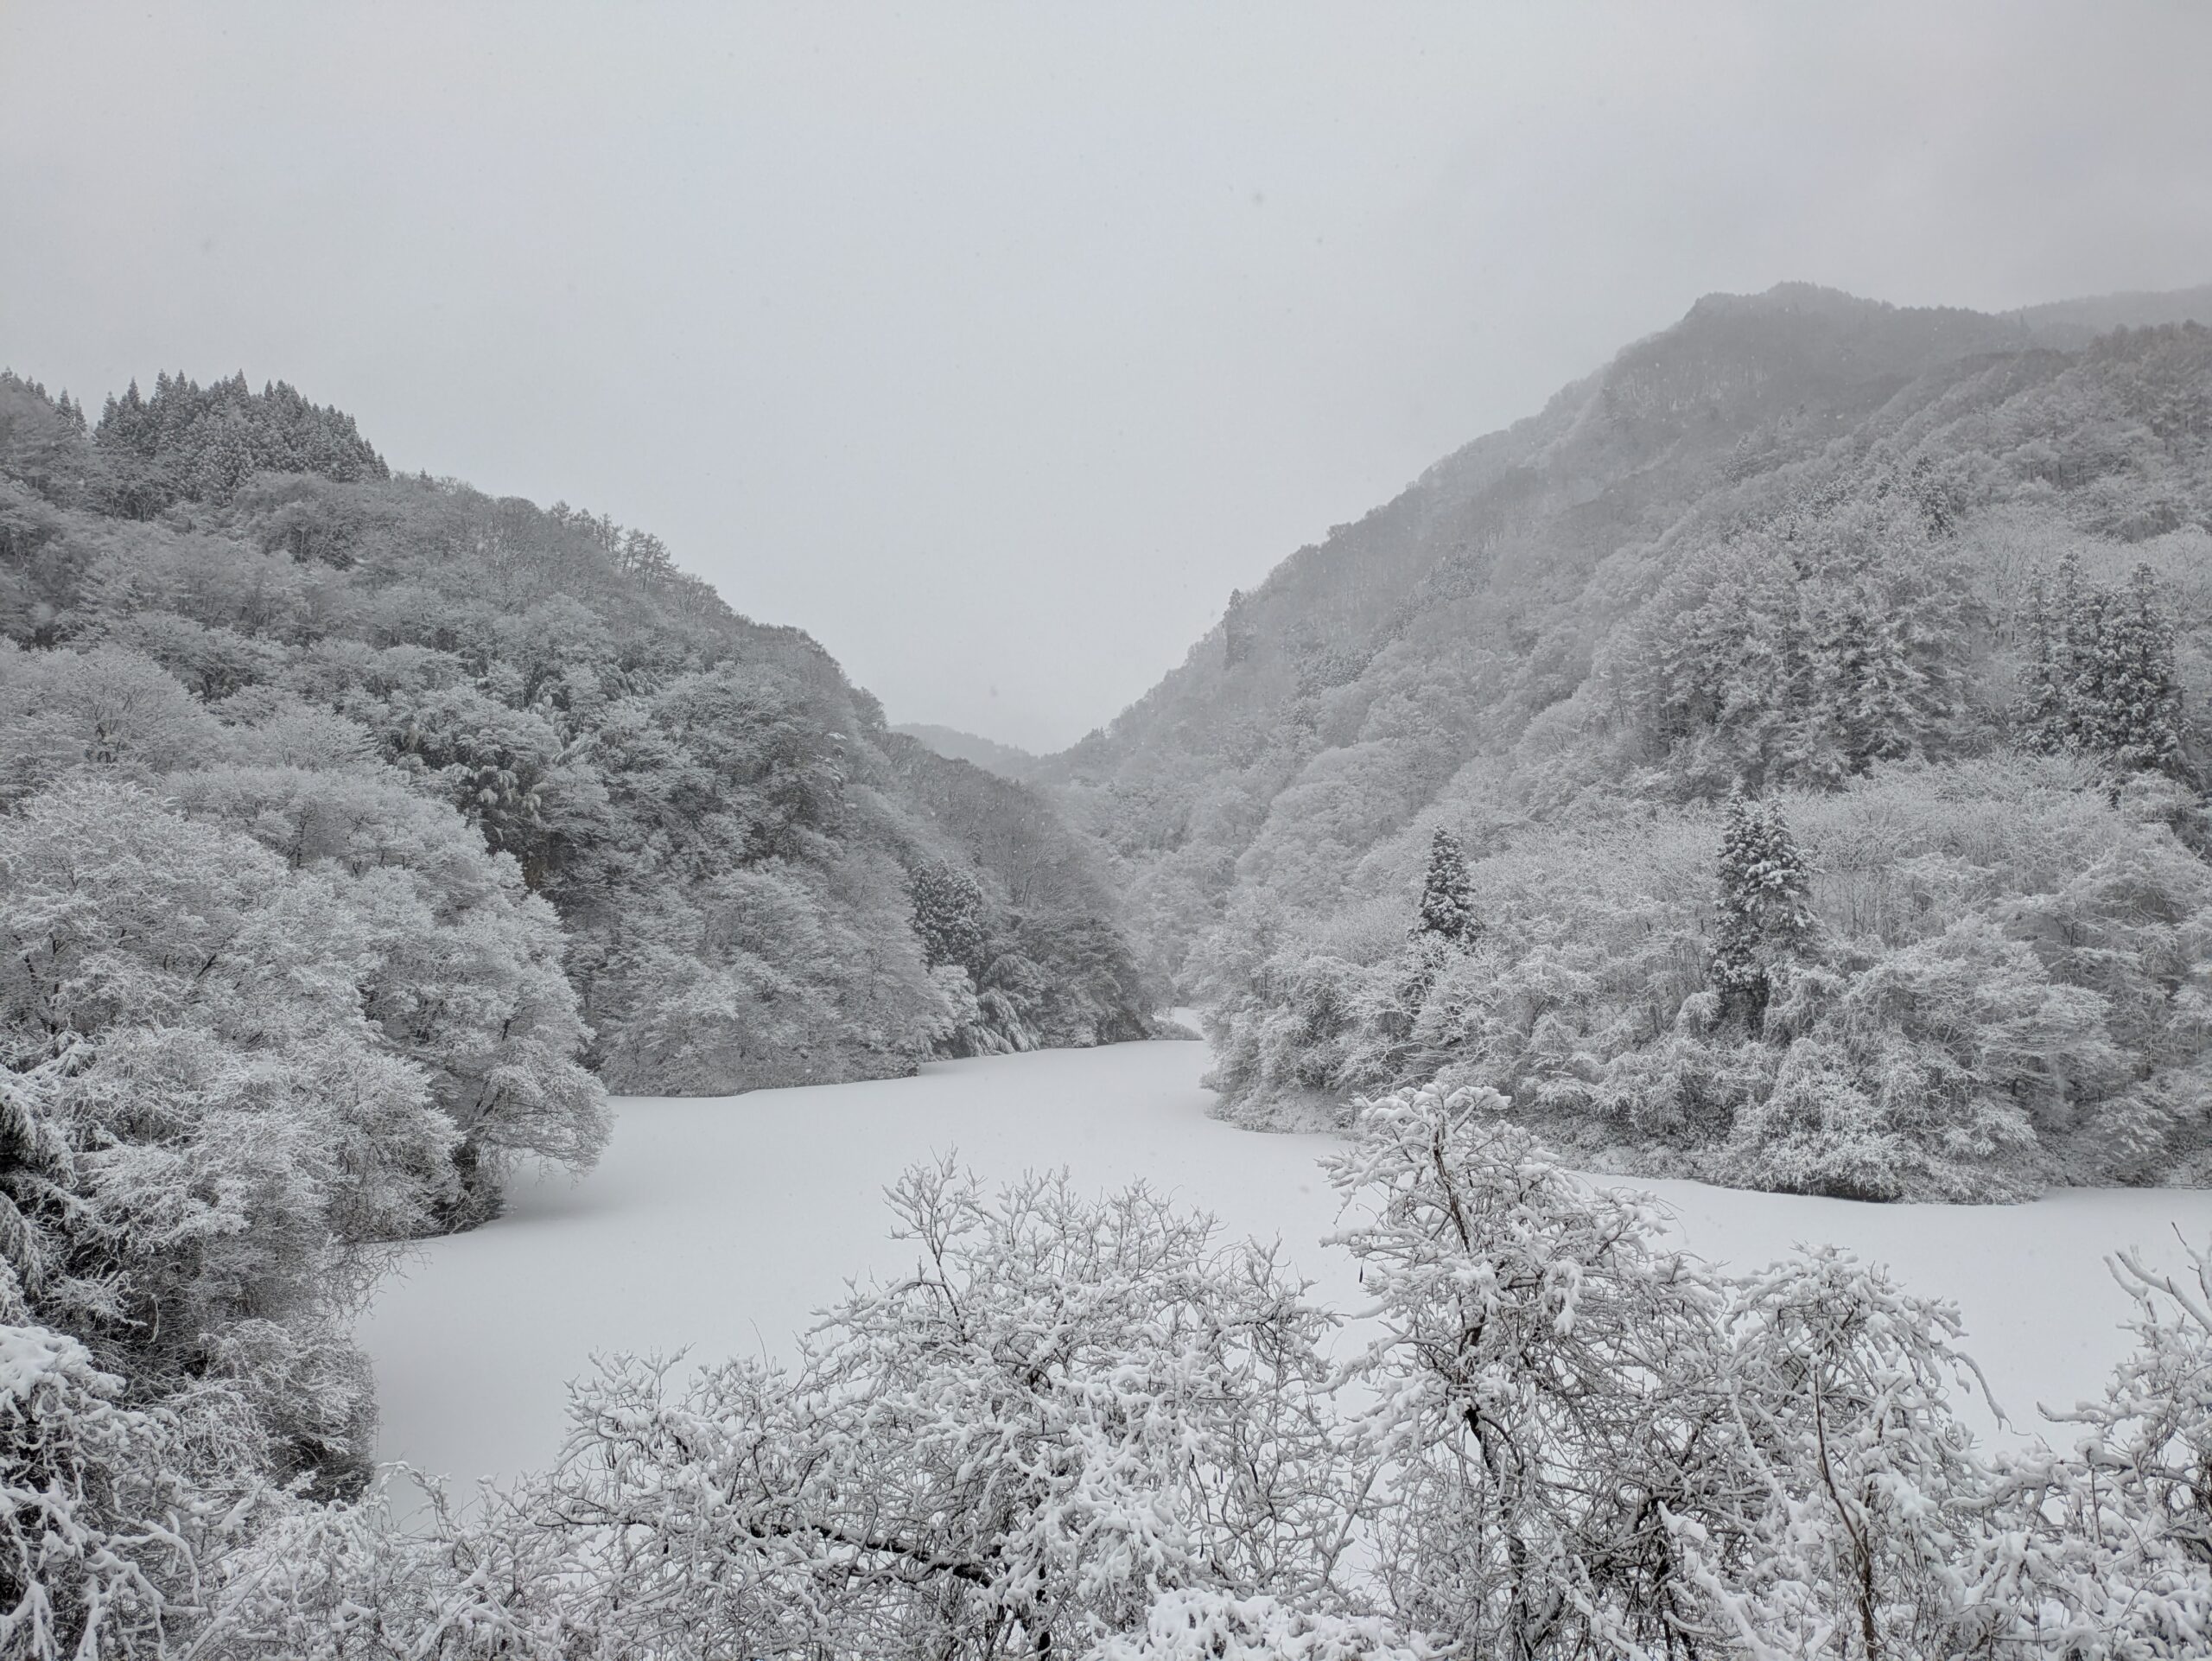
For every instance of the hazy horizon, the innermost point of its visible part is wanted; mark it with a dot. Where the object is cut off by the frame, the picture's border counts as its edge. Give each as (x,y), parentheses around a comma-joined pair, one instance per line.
(994,347)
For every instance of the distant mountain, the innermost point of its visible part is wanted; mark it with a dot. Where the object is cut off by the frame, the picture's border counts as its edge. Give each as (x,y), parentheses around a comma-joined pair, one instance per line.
(2073,323)
(1465,572)
(1005,760)
(1790,545)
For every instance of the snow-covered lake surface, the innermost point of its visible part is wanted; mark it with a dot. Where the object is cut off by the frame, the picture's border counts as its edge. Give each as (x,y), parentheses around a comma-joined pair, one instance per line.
(718,1226)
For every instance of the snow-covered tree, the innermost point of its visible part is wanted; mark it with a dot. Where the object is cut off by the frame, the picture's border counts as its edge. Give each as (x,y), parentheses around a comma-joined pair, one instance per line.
(1864,1527)
(2140,721)
(206,1126)
(2112,1534)
(1549,1388)
(97,1522)
(1069,1408)
(465,970)
(1447,911)
(2102,676)
(1237,629)
(949,918)
(1762,913)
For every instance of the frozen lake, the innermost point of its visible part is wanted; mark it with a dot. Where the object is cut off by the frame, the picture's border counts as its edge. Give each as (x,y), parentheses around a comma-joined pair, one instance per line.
(718,1226)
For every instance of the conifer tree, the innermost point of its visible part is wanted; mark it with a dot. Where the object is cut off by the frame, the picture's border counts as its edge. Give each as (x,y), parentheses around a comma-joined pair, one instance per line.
(2140,718)
(949,918)
(1447,913)
(2102,678)
(1764,912)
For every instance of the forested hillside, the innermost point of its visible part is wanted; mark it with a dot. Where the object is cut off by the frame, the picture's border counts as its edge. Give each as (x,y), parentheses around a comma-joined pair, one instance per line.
(358,834)
(1936,591)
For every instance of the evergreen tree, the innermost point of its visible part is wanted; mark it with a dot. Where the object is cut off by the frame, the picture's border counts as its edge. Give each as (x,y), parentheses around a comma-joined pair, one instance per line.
(1881,691)
(1447,914)
(2140,723)
(2102,678)
(949,918)
(1764,912)
(207,442)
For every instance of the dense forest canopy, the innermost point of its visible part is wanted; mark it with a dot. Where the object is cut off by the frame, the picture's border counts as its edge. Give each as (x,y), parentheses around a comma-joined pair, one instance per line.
(1933,585)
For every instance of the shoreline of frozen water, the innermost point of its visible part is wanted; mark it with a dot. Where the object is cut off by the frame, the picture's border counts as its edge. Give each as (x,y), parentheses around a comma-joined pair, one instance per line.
(718,1226)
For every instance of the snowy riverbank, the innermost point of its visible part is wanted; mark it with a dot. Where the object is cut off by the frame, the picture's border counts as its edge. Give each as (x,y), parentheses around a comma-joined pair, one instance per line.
(717,1225)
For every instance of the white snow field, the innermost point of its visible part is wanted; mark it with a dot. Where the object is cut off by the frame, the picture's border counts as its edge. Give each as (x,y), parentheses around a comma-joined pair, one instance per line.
(717,1225)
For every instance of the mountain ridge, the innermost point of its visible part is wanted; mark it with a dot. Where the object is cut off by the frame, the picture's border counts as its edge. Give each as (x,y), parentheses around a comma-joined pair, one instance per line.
(1790,544)
(954,744)
(1481,462)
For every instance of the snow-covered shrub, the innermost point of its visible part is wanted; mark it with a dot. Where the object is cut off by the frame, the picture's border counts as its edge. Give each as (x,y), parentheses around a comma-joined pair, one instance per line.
(1068,1408)
(96,1522)
(2114,1533)
(1082,1428)
(1575,1442)
(1550,1386)
(348,1580)
(1865,1523)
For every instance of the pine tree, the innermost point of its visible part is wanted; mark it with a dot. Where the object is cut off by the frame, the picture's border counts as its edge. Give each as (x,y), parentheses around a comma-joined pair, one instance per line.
(1447,913)
(1764,912)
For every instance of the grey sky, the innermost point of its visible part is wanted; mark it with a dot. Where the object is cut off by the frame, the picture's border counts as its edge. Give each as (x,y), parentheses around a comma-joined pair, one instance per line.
(994,345)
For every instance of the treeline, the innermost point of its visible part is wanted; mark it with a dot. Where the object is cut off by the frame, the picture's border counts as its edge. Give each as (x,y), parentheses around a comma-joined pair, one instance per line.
(356,836)
(727,833)
(1094,1429)
(1957,983)
(1939,596)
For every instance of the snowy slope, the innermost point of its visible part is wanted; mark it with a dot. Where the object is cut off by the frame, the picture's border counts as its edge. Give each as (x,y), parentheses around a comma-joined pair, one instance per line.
(719,1225)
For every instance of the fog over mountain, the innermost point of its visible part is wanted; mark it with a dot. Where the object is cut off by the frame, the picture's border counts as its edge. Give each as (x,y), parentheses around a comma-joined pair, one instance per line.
(993,347)
(957,746)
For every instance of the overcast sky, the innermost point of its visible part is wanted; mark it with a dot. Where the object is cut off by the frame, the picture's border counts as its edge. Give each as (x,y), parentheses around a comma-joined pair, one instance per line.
(994,345)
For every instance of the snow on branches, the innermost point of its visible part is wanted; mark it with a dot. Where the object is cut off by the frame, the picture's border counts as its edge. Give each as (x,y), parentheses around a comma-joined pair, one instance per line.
(91,1504)
(1446,915)
(1089,1427)
(1069,1408)
(1764,912)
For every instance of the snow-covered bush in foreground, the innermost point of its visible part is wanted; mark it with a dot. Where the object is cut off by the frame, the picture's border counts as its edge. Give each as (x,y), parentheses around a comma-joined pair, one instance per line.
(2117,1530)
(1586,1444)
(1087,1429)
(1189,1626)
(1549,1385)
(93,1519)
(1069,1408)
